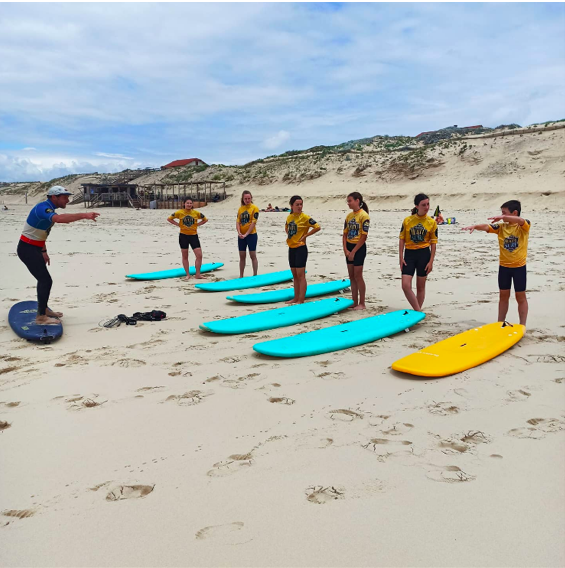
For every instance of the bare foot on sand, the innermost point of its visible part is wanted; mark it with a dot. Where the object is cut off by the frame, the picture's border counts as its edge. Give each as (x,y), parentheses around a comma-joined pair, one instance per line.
(186,278)
(53,314)
(293,301)
(360,307)
(199,277)
(46,320)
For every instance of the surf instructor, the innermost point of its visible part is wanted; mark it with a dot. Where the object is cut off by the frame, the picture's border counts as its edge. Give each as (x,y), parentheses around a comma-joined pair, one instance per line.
(32,249)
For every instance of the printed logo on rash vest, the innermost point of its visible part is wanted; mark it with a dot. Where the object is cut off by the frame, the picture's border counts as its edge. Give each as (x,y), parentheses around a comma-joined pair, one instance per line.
(352,229)
(244,218)
(292,229)
(188,221)
(418,233)
(511,243)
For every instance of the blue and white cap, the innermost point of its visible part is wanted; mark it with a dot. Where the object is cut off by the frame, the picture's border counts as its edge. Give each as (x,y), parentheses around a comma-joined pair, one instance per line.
(58,190)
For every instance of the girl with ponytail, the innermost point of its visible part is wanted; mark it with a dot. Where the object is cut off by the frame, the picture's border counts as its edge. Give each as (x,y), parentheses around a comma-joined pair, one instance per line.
(417,250)
(355,233)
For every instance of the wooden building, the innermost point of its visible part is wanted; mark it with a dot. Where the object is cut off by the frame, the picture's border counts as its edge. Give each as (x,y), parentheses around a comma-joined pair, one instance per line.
(152,196)
(188,162)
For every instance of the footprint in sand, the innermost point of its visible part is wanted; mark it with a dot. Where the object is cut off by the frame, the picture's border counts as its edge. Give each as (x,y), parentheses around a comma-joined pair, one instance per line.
(189,398)
(538,428)
(462,443)
(327,376)
(10,404)
(321,495)
(144,389)
(78,402)
(129,492)
(398,428)
(229,533)
(344,415)
(448,474)
(128,363)
(281,400)
(234,463)
(518,395)
(443,408)
(4,425)
(19,513)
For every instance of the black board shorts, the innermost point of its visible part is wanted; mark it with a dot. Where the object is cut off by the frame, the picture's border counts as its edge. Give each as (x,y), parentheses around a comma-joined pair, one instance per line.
(298,256)
(249,241)
(507,275)
(416,261)
(359,258)
(192,240)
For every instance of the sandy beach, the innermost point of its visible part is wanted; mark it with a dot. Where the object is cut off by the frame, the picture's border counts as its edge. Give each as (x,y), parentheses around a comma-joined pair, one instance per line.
(162,445)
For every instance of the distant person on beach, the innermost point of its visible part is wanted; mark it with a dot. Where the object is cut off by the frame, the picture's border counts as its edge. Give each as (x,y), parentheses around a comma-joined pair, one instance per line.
(246,223)
(416,250)
(32,249)
(269,208)
(5,208)
(188,221)
(355,233)
(298,227)
(513,232)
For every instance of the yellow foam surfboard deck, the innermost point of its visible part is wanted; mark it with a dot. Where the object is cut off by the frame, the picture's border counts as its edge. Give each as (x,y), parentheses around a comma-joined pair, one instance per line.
(461,352)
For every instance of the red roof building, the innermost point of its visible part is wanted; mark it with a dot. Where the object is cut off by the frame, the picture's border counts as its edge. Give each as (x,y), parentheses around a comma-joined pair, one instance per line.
(189,162)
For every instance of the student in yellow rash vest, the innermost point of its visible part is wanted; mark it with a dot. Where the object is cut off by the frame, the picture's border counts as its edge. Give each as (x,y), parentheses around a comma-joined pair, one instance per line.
(298,227)
(247,217)
(417,250)
(355,233)
(513,232)
(188,221)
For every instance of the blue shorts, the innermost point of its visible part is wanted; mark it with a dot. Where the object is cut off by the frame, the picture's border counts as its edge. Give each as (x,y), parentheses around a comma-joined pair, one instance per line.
(249,241)
(507,275)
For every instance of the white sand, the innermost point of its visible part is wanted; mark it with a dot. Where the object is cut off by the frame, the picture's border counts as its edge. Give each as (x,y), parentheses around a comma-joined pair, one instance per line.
(465,471)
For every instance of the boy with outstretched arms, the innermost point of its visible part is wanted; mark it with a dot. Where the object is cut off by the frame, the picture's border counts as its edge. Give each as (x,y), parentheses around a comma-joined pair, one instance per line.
(513,232)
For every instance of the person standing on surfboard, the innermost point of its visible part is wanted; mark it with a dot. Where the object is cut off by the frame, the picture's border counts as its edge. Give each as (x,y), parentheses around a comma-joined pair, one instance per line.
(355,233)
(298,227)
(32,249)
(189,220)
(247,217)
(513,232)
(417,250)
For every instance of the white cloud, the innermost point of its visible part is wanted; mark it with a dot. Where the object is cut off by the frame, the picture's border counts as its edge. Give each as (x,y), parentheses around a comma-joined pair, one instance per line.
(277,140)
(106,155)
(28,149)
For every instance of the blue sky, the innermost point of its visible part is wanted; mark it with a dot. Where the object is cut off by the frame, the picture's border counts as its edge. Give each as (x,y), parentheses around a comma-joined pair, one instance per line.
(103,87)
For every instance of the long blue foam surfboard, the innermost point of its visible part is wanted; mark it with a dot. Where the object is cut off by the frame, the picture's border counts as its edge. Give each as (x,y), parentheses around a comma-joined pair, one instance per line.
(273,296)
(340,336)
(22,320)
(174,272)
(247,282)
(280,317)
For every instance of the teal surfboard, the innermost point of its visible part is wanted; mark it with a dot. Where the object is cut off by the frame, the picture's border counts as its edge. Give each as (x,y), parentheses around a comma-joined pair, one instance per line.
(273,296)
(340,336)
(281,317)
(174,272)
(247,282)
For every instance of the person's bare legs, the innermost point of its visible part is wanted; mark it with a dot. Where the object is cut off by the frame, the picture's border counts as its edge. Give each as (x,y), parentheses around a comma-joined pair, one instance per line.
(185,262)
(504,300)
(421,290)
(354,288)
(198,262)
(296,284)
(301,275)
(360,284)
(522,307)
(254,261)
(410,296)
(242,259)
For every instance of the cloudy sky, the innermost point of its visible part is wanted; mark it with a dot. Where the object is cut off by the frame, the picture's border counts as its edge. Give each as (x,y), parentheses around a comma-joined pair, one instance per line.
(103,87)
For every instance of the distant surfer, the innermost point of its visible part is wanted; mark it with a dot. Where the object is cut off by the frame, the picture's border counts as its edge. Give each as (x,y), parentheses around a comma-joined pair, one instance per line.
(188,221)
(247,217)
(417,249)
(513,232)
(355,233)
(32,249)
(298,227)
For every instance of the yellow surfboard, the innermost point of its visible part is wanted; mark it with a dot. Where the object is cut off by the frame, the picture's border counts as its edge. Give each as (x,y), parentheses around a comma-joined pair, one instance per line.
(461,352)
